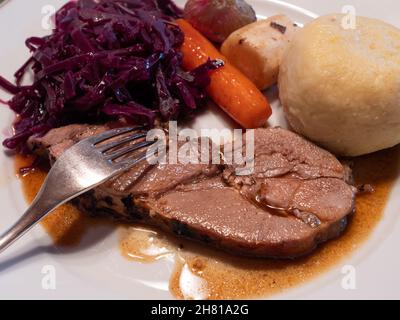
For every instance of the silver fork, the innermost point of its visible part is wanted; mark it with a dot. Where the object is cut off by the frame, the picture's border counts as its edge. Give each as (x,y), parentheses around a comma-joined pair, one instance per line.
(80,168)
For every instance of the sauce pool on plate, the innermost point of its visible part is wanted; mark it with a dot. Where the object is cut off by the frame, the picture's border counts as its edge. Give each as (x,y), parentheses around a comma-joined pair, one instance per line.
(205,273)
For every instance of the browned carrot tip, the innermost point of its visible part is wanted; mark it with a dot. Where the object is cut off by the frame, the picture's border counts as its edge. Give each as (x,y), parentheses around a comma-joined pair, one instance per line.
(229,88)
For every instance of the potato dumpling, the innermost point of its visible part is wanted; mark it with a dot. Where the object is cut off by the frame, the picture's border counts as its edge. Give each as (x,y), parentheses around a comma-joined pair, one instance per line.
(340,87)
(257,48)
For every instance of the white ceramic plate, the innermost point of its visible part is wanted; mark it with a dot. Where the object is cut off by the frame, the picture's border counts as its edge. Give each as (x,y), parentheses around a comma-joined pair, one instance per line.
(95,269)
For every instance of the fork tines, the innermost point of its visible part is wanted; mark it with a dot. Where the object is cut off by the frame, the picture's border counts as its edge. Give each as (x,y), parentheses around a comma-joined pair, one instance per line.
(123,142)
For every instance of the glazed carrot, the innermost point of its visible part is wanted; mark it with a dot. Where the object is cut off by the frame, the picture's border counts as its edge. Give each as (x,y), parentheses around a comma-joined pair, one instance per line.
(229,88)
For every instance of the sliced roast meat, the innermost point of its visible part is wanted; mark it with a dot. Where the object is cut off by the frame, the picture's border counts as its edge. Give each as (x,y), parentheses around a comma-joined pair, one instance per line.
(293,176)
(214,213)
(326,198)
(279,152)
(116,195)
(57,140)
(296,198)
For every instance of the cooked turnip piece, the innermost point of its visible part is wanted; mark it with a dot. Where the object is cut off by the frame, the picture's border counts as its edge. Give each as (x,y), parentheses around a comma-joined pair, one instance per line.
(257,48)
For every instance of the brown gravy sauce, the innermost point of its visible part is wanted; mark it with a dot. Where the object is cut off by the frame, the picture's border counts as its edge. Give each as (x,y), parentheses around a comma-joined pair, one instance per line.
(202,272)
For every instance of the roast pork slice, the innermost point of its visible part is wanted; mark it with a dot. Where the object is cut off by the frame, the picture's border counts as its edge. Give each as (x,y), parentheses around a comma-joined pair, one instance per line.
(293,176)
(297,197)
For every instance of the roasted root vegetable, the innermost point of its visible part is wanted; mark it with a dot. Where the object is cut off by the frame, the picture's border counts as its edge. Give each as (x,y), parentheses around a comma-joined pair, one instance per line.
(229,88)
(217,19)
(257,49)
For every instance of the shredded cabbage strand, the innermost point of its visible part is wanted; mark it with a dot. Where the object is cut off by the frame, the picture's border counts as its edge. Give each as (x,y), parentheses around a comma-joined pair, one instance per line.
(105,59)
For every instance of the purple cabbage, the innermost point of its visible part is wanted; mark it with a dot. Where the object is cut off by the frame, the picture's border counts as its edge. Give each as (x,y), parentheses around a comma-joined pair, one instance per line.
(105,59)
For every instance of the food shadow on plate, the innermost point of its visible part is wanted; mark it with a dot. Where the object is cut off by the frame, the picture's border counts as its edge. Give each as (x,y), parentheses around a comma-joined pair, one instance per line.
(77,238)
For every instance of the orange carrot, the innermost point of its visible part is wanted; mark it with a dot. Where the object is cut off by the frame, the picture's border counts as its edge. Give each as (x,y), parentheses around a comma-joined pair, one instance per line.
(229,88)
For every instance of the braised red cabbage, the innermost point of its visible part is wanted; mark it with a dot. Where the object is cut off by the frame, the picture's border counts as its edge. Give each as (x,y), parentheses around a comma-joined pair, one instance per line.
(105,59)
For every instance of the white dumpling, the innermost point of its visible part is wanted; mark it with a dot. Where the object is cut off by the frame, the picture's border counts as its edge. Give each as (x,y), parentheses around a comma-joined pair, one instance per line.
(340,87)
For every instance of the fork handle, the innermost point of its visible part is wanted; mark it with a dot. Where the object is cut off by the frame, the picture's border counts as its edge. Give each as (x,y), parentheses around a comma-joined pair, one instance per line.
(36,211)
